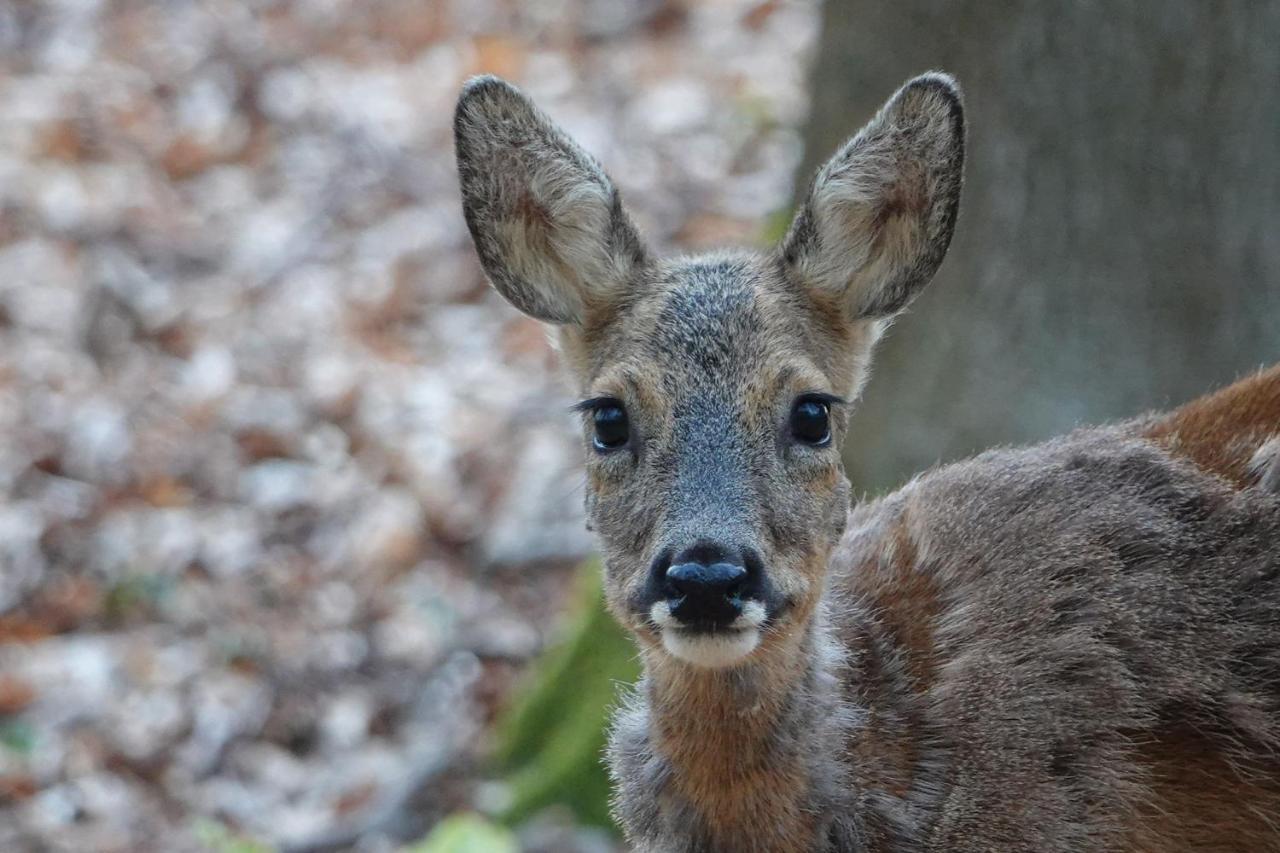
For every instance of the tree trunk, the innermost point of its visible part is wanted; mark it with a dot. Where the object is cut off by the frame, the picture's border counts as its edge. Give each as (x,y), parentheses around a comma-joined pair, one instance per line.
(1117,248)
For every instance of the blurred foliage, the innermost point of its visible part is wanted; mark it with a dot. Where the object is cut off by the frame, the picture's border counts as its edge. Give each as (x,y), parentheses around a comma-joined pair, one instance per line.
(467,833)
(135,594)
(552,741)
(776,226)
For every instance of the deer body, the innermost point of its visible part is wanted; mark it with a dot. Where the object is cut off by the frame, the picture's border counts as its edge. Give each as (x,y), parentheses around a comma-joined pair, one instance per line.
(1068,647)
(1065,647)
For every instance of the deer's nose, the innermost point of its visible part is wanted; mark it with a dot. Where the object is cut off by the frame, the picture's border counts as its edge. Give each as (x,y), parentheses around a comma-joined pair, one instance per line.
(705,586)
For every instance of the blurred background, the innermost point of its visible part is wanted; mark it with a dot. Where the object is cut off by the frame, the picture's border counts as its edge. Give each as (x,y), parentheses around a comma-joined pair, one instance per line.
(291,547)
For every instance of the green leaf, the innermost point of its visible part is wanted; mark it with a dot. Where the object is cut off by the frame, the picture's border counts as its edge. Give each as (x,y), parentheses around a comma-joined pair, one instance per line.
(18,736)
(219,838)
(467,833)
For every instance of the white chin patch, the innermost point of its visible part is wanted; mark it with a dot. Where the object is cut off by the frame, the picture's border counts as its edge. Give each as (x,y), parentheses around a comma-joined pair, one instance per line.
(714,651)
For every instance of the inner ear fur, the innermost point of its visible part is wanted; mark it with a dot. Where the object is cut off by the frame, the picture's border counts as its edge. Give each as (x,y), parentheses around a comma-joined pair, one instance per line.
(879,215)
(547,222)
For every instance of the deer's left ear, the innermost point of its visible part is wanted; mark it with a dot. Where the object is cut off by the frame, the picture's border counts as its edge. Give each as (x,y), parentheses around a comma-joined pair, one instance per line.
(879,216)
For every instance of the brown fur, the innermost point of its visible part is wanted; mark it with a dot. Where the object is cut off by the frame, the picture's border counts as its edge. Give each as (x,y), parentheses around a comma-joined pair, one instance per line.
(717,733)
(1201,801)
(1069,647)
(1222,432)
(905,600)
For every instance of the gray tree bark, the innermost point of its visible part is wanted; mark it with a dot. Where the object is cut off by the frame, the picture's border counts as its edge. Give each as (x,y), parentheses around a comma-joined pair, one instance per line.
(1119,239)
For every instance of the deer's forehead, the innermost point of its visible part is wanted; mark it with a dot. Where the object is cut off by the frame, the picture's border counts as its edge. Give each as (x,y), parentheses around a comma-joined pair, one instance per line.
(708,323)
(721,330)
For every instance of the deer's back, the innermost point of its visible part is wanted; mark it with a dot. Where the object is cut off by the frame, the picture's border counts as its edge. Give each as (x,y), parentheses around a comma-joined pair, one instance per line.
(1077,645)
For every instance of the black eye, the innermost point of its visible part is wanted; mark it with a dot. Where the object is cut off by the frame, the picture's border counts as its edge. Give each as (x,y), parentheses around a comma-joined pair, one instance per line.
(612,430)
(811,422)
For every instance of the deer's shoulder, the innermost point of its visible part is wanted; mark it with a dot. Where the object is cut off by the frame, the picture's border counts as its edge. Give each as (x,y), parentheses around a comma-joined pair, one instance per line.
(1108,597)
(1187,485)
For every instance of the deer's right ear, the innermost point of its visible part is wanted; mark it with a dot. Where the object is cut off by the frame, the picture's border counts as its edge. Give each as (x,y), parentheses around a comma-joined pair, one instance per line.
(879,216)
(547,222)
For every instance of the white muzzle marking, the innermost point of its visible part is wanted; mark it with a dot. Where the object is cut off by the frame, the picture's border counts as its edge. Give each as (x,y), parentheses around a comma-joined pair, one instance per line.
(716,650)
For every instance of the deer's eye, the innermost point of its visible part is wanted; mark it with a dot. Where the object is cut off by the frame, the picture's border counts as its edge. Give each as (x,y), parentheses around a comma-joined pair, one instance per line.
(811,421)
(612,429)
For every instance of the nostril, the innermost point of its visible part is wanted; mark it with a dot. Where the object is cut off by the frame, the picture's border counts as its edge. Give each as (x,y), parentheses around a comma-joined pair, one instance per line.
(684,578)
(699,579)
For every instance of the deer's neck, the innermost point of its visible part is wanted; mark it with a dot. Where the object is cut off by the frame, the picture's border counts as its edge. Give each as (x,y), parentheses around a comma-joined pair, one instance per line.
(750,758)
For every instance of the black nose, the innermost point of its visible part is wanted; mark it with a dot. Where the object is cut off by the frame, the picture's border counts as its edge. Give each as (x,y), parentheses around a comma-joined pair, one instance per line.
(705,585)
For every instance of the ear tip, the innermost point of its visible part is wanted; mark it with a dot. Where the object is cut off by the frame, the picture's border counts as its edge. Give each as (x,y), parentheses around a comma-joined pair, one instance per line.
(483,94)
(482,84)
(939,81)
(937,86)
(935,94)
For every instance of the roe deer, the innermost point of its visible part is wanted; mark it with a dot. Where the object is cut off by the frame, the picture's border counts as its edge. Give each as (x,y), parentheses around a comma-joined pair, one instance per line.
(1071,647)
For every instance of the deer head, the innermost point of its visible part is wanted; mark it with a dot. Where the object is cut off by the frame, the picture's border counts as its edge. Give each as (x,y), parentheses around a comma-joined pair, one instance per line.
(715,389)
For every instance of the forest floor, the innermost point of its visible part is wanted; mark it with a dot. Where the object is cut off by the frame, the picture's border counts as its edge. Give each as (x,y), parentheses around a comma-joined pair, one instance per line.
(288,497)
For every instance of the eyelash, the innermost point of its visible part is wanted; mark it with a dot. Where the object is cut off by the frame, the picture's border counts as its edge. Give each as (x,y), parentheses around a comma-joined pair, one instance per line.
(829,400)
(592,404)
